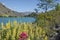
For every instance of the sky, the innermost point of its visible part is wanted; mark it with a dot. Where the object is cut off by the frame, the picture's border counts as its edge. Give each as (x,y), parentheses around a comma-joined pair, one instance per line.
(20,5)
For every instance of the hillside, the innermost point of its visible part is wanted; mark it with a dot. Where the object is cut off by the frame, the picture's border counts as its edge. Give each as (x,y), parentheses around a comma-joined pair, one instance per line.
(51,21)
(4,11)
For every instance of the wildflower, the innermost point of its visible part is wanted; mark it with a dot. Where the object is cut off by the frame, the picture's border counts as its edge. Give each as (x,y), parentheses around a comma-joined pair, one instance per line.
(15,22)
(8,24)
(2,25)
(46,38)
(23,36)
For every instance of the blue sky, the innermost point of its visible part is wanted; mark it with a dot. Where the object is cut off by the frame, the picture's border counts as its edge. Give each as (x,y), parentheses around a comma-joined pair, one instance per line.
(20,5)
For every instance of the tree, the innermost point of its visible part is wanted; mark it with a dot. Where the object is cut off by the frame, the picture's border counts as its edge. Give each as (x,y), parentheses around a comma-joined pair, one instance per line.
(36,10)
(57,7)
(46,4)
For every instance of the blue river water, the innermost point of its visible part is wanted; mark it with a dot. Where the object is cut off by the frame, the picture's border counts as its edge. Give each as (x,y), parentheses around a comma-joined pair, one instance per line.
(18,19)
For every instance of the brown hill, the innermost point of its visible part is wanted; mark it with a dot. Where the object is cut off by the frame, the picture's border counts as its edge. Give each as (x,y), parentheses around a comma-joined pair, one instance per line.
(4,11)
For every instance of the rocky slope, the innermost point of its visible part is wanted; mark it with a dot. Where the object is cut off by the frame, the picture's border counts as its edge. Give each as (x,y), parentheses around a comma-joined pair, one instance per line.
(4,11)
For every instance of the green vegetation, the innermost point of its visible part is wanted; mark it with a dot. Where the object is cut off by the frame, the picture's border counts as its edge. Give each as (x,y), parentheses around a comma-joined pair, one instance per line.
(43,28)
(50,20)
(12,31)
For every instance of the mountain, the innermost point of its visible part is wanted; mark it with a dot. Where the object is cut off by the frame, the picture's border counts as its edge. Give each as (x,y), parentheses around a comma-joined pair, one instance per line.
(33,14)
(26,13)
(4,11)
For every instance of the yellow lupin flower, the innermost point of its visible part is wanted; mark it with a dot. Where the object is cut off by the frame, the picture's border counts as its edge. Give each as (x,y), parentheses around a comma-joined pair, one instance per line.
(46,38)
(7,36)
(2,25)
(28,38)
(14,31)
(15,22)
(0,37)
(4,38)
(8,25)
(29,28)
